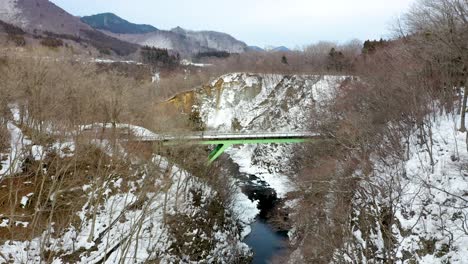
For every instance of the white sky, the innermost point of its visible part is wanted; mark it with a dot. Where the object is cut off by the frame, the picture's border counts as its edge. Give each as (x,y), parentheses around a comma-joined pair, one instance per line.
(292,23)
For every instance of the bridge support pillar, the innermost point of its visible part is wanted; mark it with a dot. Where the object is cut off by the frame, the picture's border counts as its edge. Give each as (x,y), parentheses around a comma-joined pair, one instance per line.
(217,152)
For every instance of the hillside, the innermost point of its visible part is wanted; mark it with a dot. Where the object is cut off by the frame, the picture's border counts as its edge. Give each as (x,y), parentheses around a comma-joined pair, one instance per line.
(112,23)
(162,39)
(109,32)
(96,198)
(41,15)
(213,40)
(43,19)
(428,206)
(186,42)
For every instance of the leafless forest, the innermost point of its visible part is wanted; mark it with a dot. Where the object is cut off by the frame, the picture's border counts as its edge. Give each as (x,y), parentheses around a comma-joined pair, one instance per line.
(75,162)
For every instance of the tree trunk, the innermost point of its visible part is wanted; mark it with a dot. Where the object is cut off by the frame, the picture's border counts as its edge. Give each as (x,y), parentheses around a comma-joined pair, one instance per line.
(463,110)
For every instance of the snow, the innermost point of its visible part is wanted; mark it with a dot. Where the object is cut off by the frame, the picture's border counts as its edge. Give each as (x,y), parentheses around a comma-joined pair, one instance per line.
(117,225)
(156,78)
(25,199)
(432,204)
(245,211)
(266,103)
(37,152)
(157,41)
(14,109)
(21,223)
(189,63)
(137,131)
(243,157)
(21,146)
(97,60)
(18,142)
(4,223)
(261,103)
(64,148)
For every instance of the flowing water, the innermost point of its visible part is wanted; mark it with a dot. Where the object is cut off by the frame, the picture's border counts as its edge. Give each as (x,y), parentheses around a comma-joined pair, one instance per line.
(264,240)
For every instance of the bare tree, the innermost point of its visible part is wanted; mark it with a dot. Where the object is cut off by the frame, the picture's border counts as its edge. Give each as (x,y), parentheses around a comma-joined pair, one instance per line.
(438,27)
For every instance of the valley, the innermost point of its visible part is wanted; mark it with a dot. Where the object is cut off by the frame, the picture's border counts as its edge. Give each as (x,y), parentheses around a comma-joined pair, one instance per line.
(135,133)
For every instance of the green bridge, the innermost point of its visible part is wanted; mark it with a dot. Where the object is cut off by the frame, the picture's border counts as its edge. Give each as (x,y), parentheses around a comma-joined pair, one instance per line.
(223,141)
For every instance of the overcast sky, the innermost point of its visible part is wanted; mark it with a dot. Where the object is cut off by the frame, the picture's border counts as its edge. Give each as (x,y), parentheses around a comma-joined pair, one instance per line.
(292,23)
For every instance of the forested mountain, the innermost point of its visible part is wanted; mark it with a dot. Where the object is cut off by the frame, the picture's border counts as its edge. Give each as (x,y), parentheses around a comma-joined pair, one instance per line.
(112,23)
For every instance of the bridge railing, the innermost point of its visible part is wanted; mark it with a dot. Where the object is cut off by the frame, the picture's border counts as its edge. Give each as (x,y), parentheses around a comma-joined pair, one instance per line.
(210,135)
(142,134)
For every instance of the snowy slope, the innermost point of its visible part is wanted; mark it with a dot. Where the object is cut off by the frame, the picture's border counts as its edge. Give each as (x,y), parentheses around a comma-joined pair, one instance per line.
(135,234)
(429,204)
(130,225)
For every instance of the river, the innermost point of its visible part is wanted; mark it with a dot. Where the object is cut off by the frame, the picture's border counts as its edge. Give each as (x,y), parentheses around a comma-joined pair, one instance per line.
(265,240)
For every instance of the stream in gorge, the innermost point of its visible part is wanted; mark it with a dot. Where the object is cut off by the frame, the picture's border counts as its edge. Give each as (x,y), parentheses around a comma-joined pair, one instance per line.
(267,240)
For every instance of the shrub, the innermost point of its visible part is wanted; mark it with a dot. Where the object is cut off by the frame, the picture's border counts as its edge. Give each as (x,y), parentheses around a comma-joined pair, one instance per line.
(105,51)
(52,42)
(11,29)
(18,40)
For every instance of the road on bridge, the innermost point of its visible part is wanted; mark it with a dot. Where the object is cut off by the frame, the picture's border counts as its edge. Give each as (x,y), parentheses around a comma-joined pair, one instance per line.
(224,140)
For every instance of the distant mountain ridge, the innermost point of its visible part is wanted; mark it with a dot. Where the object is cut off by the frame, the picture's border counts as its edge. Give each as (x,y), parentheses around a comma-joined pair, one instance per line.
(255,49)
(277,49)
(268,49)
(184,41)
(108,32)
(115,24)
(42,18)
(213,40)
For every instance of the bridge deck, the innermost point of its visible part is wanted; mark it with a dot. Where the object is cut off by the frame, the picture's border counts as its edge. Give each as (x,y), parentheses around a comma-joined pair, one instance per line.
(210,136)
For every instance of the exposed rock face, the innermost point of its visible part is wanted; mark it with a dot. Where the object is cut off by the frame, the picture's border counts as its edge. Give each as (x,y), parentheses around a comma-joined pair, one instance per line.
(264,102)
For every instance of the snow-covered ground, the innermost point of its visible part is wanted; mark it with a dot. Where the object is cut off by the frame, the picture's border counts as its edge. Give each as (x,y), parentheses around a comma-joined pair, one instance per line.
(133,234)
(189,63)
(429,203)
(124,230)
(136,131)
(97,60)
(12,163)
